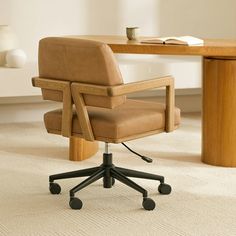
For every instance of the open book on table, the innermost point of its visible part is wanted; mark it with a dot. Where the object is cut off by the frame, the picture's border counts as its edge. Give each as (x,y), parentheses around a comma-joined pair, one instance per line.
(182,40)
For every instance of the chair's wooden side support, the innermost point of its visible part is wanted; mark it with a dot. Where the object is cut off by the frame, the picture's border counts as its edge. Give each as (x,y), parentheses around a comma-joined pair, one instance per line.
(78,89)
(80,149)
(82,112)
(64,87)
(170,107)
(167,82)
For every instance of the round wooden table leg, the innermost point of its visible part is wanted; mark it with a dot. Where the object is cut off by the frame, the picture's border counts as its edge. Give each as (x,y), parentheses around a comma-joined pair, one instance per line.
(219,112)
(80,149)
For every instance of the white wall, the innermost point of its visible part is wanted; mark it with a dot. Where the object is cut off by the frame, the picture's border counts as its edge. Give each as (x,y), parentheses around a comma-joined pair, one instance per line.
(34,19)
(203,18)
(112,16)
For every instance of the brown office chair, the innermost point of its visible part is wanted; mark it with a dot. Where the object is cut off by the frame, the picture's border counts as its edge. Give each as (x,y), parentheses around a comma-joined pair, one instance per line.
(84,76)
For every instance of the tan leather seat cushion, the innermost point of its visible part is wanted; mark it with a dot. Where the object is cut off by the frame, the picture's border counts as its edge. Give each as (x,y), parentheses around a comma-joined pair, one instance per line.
(133,118)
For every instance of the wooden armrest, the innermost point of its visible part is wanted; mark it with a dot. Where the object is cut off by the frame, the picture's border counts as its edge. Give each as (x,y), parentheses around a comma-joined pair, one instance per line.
(141,86)
(64,87)
(49,83)
(123,89)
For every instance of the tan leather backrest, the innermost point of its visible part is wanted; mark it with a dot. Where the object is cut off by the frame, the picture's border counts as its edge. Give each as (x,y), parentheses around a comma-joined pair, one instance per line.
(85,61)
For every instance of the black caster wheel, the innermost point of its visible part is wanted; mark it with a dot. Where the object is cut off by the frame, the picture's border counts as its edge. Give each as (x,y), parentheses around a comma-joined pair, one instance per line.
(113,181)
(148,204)
(75,203)
(164,189)
(54,188)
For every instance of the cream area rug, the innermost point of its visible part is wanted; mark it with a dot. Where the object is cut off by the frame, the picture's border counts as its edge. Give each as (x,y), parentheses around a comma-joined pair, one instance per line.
(202,203)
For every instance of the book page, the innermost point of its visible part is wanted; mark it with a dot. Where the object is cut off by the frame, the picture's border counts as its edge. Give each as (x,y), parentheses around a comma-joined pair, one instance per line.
(154,40)
(182,40)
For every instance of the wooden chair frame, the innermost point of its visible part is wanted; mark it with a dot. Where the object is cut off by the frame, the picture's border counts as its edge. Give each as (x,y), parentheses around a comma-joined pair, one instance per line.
(73,93)
(65,88)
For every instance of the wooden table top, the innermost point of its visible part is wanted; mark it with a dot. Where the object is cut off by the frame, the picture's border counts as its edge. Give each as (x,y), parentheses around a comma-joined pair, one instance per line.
(211,47)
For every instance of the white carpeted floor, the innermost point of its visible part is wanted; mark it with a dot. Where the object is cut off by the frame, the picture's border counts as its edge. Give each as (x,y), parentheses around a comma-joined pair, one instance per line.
(203,200)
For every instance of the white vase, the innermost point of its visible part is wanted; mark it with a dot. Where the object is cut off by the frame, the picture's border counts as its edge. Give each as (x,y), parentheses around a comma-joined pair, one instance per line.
(15,58)
(8,41)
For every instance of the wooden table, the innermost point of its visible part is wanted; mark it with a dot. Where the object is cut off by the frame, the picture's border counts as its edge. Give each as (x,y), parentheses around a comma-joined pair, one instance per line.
(219,90)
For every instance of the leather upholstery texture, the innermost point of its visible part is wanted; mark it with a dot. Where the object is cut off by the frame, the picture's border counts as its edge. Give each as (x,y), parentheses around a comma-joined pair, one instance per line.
(134,118)
(85,62)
